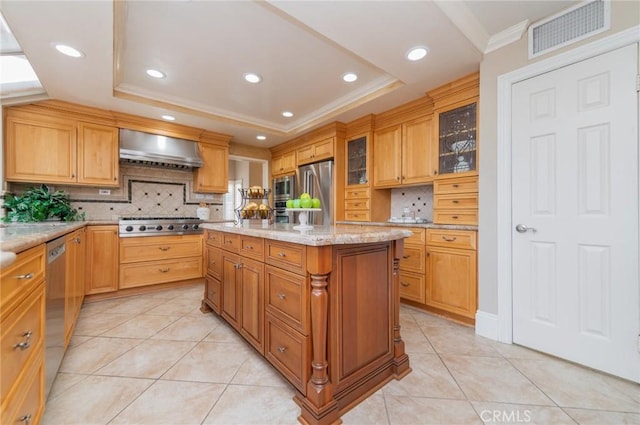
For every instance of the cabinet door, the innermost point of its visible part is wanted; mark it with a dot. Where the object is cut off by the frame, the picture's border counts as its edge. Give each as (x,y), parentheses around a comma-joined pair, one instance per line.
(451,280)
(457,139)
(231,289)
(40,149)
(252,323)
(417,147)
(387,154)
(101,267)
(305,154)
(357,172)
(288,161)
(213,293)
(98,155)
(213,176)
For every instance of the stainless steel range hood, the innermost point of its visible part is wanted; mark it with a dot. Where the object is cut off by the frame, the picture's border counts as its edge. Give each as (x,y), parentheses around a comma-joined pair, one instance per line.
(147,149)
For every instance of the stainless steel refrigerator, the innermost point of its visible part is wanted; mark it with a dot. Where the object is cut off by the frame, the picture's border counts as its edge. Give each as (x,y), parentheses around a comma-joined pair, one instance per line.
(317,180)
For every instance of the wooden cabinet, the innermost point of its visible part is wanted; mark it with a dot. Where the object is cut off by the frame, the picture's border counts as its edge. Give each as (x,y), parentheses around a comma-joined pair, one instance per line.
(22,326)
(101,265)
(452,277)
(316,151)
(159,259)
(403,154)
(213,276)
(284,163)
(49,149)
(413,267)
(75,276)
(213,176)
(455,200)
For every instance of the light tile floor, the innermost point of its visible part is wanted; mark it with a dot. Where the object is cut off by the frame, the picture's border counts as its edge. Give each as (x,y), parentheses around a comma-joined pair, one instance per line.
(156,359)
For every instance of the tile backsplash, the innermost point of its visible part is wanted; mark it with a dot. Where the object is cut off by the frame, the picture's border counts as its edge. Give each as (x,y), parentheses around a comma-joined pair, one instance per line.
(144,191)
(420,198)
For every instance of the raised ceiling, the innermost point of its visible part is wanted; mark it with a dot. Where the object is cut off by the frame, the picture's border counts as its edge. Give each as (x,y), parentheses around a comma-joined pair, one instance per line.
(301,49)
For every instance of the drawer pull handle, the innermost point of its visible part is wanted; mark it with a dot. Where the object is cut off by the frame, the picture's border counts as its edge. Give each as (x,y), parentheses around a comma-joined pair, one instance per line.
(164,248)
(406,256)
(282,296)
(282,349)
(449,239)
(405,284)
(78,240)
(455,217)
(26,419)
(455,201)
(24,344)
(237,266)
(455,185)
(25,276)
(164,270)
(249,246)
(282,254)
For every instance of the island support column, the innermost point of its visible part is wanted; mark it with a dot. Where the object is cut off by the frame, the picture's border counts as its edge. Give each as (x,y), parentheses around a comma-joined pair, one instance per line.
(400,358)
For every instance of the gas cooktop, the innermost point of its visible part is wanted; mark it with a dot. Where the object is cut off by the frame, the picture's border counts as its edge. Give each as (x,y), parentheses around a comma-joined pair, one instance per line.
(159,226)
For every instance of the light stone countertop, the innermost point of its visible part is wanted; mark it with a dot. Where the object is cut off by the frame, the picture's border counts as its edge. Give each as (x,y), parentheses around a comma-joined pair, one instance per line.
(318,236)
(419,225)
(17,237)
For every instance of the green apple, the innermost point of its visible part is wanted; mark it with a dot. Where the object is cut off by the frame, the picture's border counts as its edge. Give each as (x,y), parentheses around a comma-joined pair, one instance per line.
(296,203)
(290,203)
(305,195)
(306,202)
(315,203)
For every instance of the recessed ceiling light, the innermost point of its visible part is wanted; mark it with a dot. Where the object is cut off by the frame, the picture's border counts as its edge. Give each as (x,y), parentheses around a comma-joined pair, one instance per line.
(417,53)
(155,73)
(68,50)
(168,117)
(261,137)
(252,78)
(287,114)
(349,77)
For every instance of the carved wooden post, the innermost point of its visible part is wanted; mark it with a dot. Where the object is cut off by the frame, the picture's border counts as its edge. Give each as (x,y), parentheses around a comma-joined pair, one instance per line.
(401,360)
(319,310)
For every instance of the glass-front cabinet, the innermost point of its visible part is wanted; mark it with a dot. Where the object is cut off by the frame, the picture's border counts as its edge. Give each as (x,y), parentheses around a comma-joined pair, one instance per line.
(457,140)
(357,173)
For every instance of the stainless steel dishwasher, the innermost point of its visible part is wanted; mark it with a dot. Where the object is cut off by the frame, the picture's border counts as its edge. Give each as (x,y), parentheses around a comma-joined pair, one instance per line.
(54,311)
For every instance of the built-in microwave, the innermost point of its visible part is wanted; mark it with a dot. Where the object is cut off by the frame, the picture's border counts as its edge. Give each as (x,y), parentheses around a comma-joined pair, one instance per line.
(284,187)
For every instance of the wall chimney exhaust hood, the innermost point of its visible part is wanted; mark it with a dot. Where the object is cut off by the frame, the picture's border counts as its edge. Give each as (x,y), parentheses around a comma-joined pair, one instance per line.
(147,149)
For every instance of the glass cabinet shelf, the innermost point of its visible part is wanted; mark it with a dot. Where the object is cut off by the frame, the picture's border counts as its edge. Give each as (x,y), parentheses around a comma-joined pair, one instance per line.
(457,140)
(357,161)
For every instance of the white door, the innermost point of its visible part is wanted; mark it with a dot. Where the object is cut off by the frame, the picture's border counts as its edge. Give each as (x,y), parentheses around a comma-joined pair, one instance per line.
(575,197)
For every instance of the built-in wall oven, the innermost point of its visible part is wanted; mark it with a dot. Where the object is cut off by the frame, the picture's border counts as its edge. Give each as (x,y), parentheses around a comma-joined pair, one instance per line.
(283,190)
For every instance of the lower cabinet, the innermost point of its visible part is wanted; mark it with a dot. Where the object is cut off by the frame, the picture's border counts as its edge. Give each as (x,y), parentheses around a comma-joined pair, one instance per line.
(412,267)
(75,277)
(101,265)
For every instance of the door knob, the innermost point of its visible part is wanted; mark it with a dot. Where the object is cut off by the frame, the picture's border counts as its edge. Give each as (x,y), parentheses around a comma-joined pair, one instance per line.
(521,228)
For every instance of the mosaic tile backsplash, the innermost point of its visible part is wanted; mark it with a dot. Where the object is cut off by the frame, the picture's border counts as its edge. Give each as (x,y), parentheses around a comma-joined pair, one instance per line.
(420,198)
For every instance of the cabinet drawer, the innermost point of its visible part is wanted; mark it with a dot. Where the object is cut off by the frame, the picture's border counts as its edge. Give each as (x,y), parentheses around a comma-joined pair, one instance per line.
(288,351)
(289,256)
(152,272)
(356,204)
(29,399)
(252,247)
(357,215)
(456,185)
(214,262)
(28,318)
(412,286)
(21,277)
(468,217)
(413,258)
(417,238)
(231,242)
(159,248)
(213,238)
(287,298)
(213,293)
(358,193)
(462,239)
(456,201)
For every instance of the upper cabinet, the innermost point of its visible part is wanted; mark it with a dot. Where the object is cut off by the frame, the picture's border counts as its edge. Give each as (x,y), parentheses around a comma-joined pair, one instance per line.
(43,148)
(316,151)
(357,157)
(284,163)
(403,154)
(213,176)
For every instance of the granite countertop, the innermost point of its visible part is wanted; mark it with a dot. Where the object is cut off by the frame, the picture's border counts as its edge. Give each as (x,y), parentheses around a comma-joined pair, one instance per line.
(318,236)
(419,225)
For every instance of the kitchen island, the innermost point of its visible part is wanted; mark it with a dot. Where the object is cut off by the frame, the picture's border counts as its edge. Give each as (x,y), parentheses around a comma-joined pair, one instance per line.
(322,306)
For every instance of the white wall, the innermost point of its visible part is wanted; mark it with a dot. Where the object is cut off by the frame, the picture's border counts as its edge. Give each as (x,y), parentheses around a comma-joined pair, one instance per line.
(624,14)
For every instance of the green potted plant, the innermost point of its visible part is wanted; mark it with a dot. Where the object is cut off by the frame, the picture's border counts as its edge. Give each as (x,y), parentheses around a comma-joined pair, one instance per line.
(39,204)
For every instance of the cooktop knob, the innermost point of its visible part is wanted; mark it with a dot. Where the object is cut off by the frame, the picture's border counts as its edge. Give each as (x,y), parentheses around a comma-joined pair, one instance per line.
(185,226)
(195,227)
(170,227)
(142,228)
(158,227)
(128,228)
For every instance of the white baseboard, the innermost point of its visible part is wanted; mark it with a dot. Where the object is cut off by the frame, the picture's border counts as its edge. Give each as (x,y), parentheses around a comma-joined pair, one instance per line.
(487,325)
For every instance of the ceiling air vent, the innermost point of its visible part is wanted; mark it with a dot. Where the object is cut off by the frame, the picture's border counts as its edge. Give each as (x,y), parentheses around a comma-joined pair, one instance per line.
(569,26)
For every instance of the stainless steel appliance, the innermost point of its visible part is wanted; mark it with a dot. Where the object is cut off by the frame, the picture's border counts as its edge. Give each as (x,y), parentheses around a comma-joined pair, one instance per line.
(159,226)
(317,180)
(54,310)
(283,190)
(141,148)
